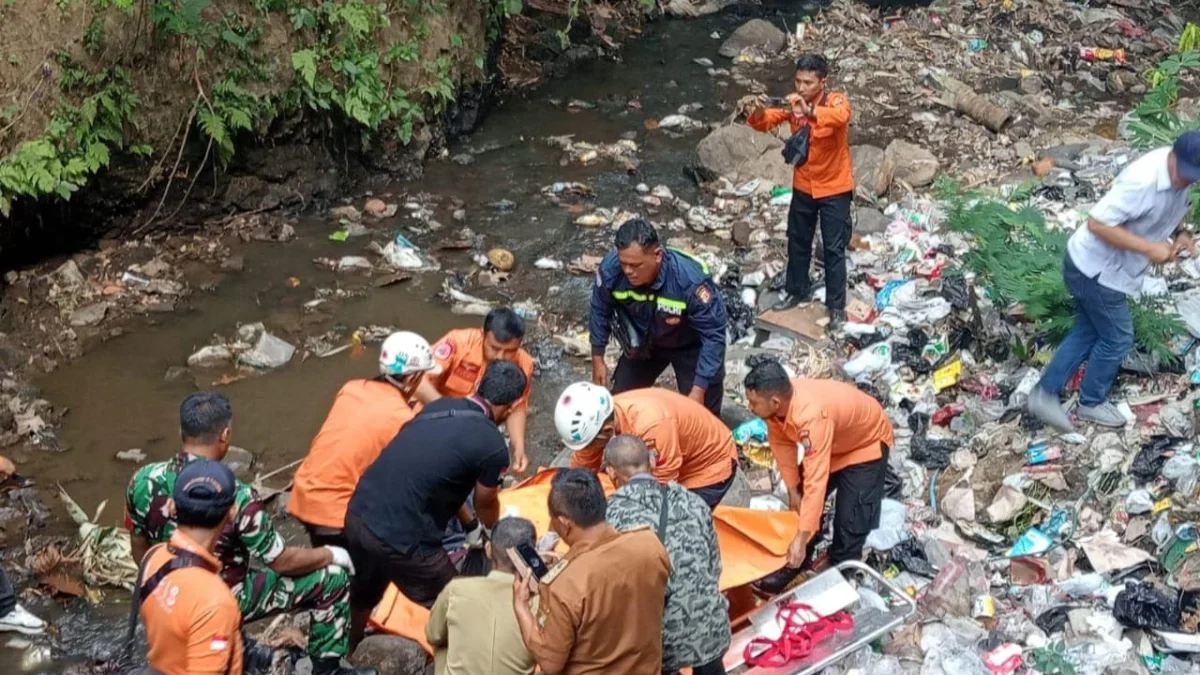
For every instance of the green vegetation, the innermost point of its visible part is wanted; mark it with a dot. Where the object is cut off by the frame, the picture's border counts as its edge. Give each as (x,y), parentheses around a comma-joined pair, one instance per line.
(366,61)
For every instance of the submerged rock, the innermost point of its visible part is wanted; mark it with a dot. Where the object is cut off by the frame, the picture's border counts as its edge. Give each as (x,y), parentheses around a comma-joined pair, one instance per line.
(89,315)
(270,352)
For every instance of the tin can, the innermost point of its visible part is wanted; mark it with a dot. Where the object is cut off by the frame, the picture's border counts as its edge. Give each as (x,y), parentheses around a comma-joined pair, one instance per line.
(984,607)
(1102,54)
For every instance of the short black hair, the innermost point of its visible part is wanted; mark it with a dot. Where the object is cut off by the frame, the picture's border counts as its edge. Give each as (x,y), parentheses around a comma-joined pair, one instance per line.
(577,494)
(813,63)
(508,533)
(636,231)
(768,377)
(502,383)
(203,415)
(505,324)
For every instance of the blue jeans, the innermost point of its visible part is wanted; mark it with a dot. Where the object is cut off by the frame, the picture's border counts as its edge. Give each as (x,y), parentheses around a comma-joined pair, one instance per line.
(1102,335)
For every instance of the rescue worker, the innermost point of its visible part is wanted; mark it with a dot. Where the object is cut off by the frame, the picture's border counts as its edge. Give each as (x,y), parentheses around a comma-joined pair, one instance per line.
(14,617)
(420,481)
(365,417)
(690,445)
(192,620)
(822,187)
(600,609)
(463,355)
(825,436)
(286,578)
(695,631)
(664,310)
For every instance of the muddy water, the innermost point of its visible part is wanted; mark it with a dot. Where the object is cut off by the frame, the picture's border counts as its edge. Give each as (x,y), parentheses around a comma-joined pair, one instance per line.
(117,394)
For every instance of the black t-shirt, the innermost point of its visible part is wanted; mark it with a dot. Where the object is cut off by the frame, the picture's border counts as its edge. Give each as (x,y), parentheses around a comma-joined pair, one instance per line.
(410,493)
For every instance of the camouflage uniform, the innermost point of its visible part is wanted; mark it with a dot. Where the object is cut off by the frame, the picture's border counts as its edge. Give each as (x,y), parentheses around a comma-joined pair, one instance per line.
(696,617)
(260,592)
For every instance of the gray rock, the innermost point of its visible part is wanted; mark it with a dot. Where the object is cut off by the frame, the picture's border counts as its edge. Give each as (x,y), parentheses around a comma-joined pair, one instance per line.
(740,153)
(872,168)
(1032,84)
(1023,149)
(68,275)
(269,352)
(1091,81)
(135,455)
(211,356)
(348,212)
(754,33)
(89,315)
(390,655)
(869,221)
(915,165)
(239,461)
(741,232)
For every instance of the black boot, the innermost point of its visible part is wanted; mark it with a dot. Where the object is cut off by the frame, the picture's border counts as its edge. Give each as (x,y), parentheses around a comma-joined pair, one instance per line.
(776,582)
(256,657)
(837,319)
(333,666)
(788,301)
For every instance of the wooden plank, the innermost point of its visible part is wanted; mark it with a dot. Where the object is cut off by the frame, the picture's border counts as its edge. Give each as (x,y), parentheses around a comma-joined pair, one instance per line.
(805,322)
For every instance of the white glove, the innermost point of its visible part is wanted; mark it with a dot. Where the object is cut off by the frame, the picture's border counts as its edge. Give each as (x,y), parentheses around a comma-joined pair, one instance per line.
(476,536)
(341,558)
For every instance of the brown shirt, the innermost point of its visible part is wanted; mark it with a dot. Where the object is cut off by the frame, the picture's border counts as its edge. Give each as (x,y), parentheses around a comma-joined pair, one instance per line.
(598,618)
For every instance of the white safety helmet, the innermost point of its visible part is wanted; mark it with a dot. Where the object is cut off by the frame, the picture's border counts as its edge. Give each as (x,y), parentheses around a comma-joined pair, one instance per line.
(404,353)
(581,412)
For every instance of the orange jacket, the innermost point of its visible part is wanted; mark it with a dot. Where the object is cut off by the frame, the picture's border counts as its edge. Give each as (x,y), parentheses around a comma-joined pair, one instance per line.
(693,447)
(828,171)
(193,625)
(365,416)
(838,426)
(460,354)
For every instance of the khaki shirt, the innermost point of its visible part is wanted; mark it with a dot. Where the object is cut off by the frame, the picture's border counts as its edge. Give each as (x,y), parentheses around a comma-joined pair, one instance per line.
(597,616)
(473,629)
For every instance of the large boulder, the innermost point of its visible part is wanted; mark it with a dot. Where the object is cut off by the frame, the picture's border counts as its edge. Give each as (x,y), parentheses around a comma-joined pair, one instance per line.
(915,165)
(390,655)
(872,169)
(754,33)
(740,153)
(869,221)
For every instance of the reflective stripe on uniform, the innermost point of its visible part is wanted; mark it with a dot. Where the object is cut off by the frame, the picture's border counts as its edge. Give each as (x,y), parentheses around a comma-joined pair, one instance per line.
(661,301)
(703,265)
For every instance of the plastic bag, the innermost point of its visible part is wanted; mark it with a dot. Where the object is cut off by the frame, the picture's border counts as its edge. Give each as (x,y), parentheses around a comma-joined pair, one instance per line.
(1053,620)
(1149,460)
(909,555)
(891,526)
(1184,471)
(1141,605)
(927,453)
(955,290)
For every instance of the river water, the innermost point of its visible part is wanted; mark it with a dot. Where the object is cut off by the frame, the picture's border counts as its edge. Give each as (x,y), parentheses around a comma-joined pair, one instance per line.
(117,395)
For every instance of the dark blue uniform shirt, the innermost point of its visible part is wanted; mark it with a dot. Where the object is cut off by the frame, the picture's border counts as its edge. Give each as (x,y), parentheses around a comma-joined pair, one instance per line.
(681,309)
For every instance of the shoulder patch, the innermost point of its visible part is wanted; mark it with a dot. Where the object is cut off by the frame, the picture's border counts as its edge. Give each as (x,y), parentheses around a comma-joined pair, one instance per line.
(443,350)
(555,570)
(704,294)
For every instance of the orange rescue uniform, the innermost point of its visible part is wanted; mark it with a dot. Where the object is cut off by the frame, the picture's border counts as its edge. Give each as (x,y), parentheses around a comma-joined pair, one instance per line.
(693,447)
(365,416)
(828,171)
(193,625)
(838,426)
(460,354)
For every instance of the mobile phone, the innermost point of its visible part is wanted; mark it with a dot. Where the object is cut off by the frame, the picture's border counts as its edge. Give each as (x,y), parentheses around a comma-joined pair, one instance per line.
(530,557)
(777,102)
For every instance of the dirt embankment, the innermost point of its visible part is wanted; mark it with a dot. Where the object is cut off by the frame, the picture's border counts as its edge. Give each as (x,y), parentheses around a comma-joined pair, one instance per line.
(126,116)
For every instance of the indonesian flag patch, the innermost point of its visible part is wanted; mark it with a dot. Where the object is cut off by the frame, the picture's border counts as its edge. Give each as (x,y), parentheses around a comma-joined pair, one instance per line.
(219,643)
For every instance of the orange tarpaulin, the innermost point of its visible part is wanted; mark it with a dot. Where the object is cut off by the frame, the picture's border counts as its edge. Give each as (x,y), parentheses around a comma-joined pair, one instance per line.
(753,544)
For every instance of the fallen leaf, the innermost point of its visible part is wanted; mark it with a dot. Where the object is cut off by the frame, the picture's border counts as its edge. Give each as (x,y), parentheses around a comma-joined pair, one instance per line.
(62,584)
(1043,166)
(228,378)
(650,123)
(111,289)
(293,282)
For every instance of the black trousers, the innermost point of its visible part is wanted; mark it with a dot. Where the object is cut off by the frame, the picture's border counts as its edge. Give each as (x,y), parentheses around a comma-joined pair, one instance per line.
(713,494)
(326,536)
(8,595)
(419,572)
(834,214)
(716,667)
(642,373)
(856,507)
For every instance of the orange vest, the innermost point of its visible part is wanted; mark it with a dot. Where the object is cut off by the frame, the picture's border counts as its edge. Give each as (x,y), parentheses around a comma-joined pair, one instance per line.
(365,416)
(460,354)
(828,170)
(838,425)
(693,447)
(192,620)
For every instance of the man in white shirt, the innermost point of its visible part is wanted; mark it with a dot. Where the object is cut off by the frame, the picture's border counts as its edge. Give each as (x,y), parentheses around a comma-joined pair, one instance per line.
(1137,224)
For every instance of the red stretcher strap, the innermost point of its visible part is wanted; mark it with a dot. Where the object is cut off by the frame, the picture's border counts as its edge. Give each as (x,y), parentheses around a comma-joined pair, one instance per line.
(803,629)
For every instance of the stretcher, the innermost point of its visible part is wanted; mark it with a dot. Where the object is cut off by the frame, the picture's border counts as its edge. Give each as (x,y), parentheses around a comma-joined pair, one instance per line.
(834,589)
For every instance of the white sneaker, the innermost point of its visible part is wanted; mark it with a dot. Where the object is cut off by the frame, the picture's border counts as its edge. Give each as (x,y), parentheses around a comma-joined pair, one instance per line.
(21,621)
